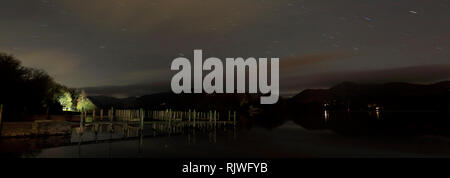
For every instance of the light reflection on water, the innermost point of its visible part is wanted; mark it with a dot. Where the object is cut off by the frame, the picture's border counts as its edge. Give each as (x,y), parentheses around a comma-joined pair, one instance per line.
(287,140)
(121,140)
(120,131)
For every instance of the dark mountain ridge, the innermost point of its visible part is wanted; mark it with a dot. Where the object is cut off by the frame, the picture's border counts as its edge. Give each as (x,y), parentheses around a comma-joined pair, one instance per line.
(390,96)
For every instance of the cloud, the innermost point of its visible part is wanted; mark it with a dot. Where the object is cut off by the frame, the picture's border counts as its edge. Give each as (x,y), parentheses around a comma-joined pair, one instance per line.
(416,74)
(169,15)
(140,76)
(288,64)
(61,65)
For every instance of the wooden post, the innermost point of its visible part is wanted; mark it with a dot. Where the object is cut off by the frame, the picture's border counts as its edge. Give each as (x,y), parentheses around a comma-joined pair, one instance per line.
(131,114)
(189,116)
(142,120)
(215,118)
(234,118)
(194,117)
(170,116)
(1,116)
(112,115)
(210,117)
(93,115)
(109,114)
(85,115)
(101,114)
(165,115)
(81,121)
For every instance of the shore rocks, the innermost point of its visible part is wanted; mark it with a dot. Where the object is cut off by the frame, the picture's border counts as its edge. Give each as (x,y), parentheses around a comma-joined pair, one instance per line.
(36,128)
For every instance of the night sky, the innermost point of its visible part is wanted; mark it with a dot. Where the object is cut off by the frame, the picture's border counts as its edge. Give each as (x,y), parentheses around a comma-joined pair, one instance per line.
(98,43)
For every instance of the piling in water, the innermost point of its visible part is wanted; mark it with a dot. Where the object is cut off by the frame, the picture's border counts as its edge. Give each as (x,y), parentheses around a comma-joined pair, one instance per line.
(1,115)
(234,118)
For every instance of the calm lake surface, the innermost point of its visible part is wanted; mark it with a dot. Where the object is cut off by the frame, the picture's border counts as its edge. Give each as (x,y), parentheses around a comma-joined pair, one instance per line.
(285,141)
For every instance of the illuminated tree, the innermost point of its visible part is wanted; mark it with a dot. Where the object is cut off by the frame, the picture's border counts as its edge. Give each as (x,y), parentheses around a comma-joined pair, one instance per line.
(83,103)
(66,101)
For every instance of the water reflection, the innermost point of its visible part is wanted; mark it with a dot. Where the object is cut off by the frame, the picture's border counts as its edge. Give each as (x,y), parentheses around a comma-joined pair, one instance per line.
(287,140)
(374,121)
(314,132)
(326,115)
(109,133)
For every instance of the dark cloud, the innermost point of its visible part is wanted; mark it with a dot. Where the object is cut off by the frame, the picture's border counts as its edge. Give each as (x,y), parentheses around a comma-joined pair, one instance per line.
(290,64)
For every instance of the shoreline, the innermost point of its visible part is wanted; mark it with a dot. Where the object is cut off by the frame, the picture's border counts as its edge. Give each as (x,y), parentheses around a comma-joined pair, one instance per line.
(36,128)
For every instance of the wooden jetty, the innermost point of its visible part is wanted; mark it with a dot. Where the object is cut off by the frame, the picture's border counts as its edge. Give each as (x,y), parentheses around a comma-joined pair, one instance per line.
(175,120)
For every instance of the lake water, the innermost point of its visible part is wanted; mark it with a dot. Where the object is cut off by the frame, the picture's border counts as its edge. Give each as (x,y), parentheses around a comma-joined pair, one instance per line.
(286,141)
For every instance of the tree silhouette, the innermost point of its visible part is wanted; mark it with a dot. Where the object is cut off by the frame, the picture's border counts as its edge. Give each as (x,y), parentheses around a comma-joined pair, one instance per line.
(26,90)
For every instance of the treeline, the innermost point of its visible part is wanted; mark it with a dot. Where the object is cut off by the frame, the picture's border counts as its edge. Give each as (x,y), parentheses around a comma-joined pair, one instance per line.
(25,91)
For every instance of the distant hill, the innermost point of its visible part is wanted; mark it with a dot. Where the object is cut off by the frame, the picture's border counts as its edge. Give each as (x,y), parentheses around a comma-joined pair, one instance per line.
(390,96)
(443,84)
(126,91)
(312,96)
(108,102)
(179,101)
